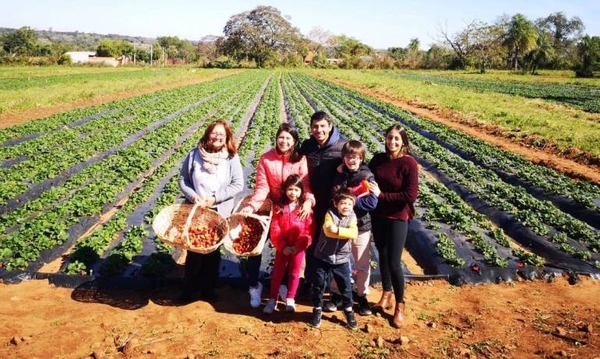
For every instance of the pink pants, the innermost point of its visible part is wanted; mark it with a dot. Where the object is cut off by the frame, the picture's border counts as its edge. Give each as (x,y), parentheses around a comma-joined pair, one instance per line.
(294,264)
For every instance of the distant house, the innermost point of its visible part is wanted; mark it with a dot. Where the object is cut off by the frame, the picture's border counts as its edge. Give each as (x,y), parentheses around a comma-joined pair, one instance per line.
(82,57)
(79,57)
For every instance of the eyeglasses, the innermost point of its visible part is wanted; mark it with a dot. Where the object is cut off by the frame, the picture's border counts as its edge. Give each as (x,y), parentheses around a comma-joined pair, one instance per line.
(218,134)
(352,157)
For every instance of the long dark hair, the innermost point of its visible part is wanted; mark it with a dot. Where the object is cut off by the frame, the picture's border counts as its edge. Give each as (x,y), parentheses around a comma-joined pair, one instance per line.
(229,142)
(295,155)
(405,143)
(292,180)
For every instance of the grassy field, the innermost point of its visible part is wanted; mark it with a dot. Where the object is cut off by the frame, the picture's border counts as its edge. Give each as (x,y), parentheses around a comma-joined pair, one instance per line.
(563,125)
(27,88)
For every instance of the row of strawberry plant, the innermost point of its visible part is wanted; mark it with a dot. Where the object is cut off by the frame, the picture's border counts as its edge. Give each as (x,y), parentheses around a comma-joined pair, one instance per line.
(126,165)
(120,253)
(583,97)
(46,158)
(442,164)
(343,112)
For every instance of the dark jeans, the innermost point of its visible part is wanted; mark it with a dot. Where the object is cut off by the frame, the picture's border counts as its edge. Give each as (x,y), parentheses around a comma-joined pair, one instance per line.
(309,255)
(201,271)
(253,268)
(323,272)
(390,236)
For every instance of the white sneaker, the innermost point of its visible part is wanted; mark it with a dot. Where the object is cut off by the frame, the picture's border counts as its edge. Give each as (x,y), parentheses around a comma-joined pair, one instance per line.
(283,292)
(255,295)
(290,305)
(270,307)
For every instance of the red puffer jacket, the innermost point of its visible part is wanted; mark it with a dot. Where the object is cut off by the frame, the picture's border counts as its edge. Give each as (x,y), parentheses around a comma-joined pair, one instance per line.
(289,230)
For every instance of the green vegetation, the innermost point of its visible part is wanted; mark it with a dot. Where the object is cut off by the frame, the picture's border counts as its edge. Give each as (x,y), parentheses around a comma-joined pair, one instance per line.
(41,87)
(567,127)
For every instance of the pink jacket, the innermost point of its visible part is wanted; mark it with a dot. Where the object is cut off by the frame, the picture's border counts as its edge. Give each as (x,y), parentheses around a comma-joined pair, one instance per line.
(289,230)
(271,171)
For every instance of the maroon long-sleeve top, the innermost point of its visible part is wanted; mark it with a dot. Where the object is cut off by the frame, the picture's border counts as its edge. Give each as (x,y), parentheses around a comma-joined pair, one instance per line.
(398,180)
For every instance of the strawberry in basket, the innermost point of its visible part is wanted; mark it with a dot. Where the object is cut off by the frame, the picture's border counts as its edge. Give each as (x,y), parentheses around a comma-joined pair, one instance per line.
(249,236)
(203,236)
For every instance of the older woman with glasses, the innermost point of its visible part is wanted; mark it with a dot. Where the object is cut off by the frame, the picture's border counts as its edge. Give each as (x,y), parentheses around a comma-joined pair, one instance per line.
(211,175)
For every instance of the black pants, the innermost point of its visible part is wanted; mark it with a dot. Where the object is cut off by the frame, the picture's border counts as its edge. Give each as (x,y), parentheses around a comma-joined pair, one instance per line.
(390,236)
(201,271)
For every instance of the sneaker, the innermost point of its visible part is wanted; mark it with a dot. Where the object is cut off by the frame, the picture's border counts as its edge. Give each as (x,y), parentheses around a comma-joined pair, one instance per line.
(363,305)
(255,295)
(350,319)
(290,305)
(283,292)
(315,322)
(270,307)
(334,304)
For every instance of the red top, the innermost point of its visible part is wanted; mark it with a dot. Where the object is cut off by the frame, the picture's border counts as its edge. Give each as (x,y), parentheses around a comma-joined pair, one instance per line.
(289,230)
(398,180)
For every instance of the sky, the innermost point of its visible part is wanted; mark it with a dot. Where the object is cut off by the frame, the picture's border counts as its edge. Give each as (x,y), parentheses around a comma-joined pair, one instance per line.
(378,23)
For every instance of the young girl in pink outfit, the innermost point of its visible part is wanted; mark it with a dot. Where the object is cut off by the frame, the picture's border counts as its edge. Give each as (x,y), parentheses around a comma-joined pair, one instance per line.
(290,235)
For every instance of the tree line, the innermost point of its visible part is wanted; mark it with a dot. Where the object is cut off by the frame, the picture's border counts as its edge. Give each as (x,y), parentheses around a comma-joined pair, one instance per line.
(263,37)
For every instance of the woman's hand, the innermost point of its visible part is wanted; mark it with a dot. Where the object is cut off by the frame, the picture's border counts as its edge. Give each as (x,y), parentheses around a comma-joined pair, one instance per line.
(247,210)
(374,188)
(305,210)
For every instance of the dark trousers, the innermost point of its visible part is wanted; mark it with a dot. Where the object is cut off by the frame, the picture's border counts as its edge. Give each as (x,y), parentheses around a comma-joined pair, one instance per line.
(309,255)
(253,268)
(341,274)
(201,271)
(390,236)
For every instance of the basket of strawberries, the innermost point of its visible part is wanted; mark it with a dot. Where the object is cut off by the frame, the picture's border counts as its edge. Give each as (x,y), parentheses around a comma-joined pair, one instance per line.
(248,232)
(191,227)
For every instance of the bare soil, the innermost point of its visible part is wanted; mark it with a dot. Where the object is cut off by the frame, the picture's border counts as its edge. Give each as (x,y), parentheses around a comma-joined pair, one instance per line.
(512,320)
(553,318)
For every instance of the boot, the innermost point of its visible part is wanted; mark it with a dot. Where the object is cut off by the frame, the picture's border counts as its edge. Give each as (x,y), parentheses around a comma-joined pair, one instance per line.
(384,302)
(398,319)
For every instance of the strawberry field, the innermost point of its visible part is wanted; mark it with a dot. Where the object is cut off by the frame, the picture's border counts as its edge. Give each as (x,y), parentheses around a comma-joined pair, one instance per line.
(81,188)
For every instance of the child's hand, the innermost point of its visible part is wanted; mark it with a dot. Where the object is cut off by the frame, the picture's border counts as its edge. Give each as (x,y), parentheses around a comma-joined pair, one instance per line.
(294,249)
(333,228)
(287,251)
(374,188)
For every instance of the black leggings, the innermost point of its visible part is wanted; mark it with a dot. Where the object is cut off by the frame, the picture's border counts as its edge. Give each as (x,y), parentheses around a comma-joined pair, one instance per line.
(201,271)
(390,236)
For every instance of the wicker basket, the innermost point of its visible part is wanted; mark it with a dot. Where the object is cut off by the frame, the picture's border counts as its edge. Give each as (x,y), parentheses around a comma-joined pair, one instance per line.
(259,221)
(172,226)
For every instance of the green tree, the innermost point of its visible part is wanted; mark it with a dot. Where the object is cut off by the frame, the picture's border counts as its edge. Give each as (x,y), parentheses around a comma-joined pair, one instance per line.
(565,34)
(437,57)
(541,54)
(106,48)
(262,35)
(588,50)
(413,54)
(20,42)
(479,44)
(520,38)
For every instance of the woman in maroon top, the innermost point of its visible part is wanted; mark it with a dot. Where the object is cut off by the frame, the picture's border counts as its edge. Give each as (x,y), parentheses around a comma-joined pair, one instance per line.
(396,187)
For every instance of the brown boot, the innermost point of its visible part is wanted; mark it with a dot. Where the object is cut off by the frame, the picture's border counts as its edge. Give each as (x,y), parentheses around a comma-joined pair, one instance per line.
(398,319)
(384,303)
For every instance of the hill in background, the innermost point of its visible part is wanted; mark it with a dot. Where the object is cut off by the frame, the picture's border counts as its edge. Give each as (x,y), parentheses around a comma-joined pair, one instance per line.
(81,40)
